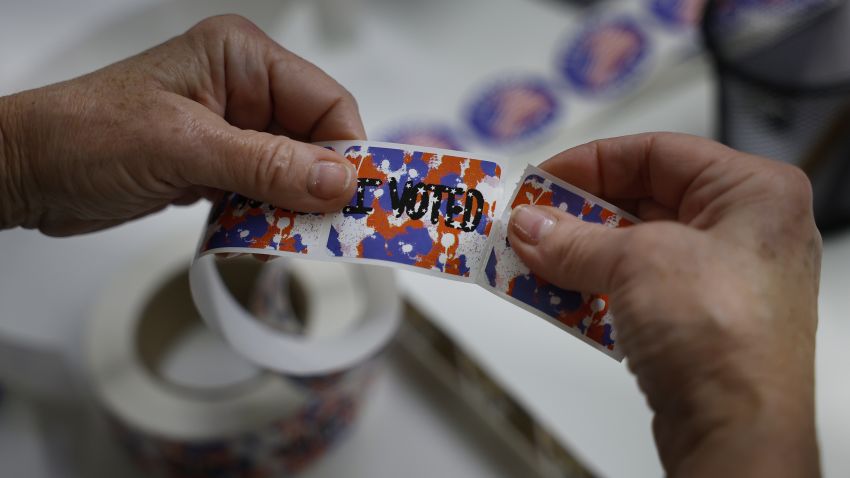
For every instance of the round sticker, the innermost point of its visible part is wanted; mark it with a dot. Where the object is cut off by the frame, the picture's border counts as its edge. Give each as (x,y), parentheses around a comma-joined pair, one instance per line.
(432,135)
(513,110)
(678,13)
(605,57)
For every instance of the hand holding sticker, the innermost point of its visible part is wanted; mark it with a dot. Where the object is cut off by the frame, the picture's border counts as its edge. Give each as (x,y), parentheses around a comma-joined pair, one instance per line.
(432,211)
(714,298)
(584,314)
(202,112)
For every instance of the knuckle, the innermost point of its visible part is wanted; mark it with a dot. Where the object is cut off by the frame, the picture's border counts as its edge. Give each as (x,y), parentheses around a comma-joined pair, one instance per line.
(794,181)
(273,162)
(793,191)
(347,97)
(222,25)
(783,193)
(786,182)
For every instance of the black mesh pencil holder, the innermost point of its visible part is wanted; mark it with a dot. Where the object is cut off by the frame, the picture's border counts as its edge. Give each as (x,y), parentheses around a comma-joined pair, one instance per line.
(784,76)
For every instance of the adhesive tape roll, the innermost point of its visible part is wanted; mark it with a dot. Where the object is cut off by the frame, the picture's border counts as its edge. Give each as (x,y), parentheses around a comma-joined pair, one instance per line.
(236,421)
(294,355)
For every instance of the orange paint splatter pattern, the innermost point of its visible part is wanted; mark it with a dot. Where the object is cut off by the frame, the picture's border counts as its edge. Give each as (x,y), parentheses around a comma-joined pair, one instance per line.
(586,314)
(418,208)
(236,221)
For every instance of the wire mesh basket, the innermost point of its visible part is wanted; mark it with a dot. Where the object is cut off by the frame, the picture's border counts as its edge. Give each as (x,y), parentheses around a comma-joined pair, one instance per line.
(784,71)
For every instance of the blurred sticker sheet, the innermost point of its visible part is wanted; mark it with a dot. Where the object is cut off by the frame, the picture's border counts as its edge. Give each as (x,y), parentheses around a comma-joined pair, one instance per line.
(433,211)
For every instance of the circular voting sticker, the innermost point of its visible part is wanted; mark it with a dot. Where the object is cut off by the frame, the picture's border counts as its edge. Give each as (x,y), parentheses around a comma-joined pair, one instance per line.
(677,13)
(606,58)
(513,110)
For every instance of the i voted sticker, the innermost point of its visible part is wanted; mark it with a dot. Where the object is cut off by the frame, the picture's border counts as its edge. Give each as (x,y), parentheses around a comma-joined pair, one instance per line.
(606,58)
(677,13)
(419,209)
(514,110)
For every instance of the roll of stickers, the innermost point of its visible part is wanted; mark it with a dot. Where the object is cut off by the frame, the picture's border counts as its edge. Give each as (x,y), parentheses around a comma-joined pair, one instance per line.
(515,111)
(422,209)
(612,52)
(184,404)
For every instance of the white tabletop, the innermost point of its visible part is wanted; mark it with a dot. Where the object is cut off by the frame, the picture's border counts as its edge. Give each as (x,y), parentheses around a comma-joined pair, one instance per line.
(399,50)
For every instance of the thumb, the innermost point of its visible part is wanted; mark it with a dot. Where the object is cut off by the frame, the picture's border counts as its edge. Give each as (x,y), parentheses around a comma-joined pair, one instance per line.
(274,169)
(566,251)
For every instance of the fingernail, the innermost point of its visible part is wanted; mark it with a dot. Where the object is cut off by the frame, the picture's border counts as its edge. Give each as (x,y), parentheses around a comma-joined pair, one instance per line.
(328,179)
(531,223)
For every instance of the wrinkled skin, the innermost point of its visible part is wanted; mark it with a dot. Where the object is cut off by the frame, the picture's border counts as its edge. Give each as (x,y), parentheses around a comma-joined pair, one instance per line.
(177,122)
(714,296)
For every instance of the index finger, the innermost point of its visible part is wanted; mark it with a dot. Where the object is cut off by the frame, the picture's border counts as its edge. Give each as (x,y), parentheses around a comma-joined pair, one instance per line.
(255,83)
(310,104)
(659,166)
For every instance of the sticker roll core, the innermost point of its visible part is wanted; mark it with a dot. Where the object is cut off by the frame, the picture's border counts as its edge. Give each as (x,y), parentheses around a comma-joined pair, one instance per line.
(254,423)
(291,354)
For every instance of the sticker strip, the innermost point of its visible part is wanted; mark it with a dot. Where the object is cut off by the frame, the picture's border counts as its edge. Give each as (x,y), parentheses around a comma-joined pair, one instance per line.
(418,208)
(432,211)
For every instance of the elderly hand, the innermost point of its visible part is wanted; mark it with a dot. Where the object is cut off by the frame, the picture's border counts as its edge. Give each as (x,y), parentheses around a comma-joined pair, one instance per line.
(221,107)
(714,297)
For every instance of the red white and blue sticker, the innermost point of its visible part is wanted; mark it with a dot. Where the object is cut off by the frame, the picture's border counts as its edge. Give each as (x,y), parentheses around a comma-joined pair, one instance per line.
(240,222)
(678,14)
(283,448)
(606,58)
(513,110)
(432,211)
(585,315)
(419,208)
